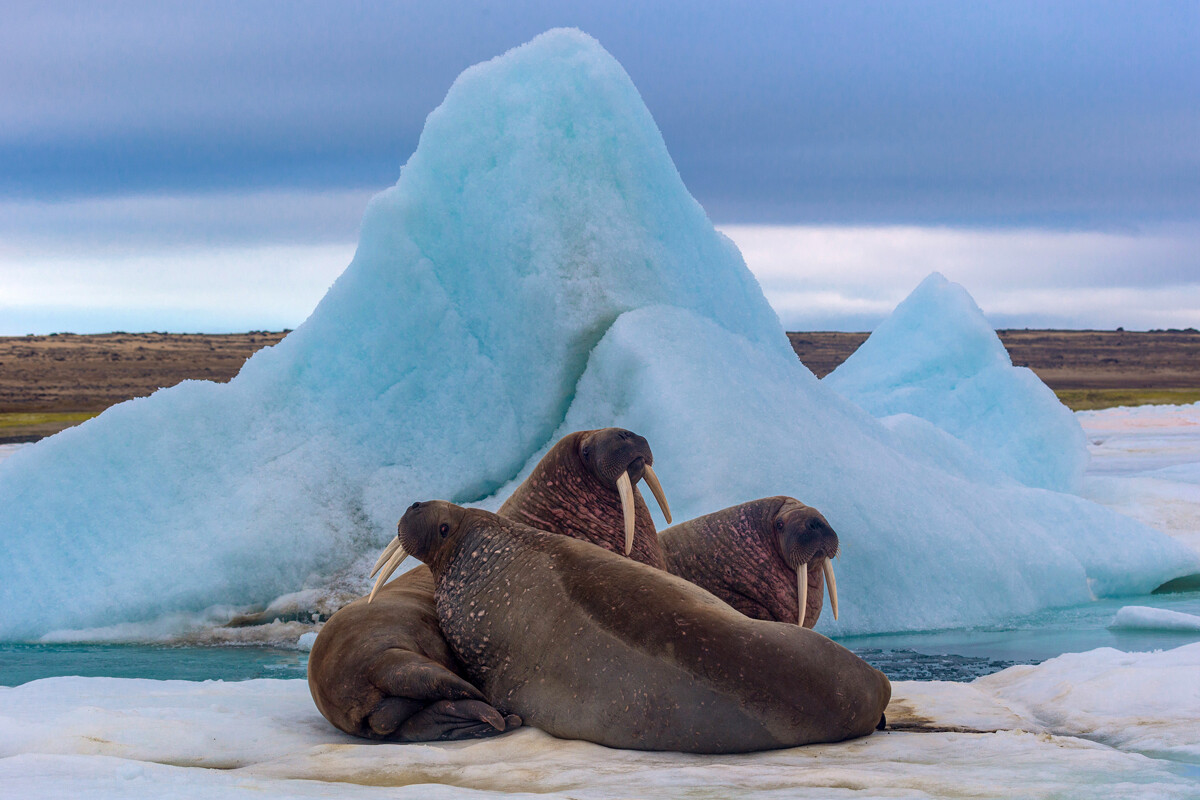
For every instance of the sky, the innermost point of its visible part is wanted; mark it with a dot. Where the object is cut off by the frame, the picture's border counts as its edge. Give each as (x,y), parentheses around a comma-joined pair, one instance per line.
(183,166)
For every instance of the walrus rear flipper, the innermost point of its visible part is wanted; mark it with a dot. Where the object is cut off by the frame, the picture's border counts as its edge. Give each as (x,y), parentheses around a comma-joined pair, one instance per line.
(449,720)
(457,711)
(408,674)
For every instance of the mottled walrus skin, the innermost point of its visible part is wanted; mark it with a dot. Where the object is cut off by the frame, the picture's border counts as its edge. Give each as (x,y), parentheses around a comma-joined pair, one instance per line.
(573,491)
(748,556)
(585,644)
(382,670)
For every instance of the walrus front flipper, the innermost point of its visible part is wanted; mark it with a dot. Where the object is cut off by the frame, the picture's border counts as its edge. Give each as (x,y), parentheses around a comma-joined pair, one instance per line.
(449,720)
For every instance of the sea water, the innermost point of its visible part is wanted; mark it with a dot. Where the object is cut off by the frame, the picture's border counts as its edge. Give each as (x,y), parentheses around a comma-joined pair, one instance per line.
(948,655)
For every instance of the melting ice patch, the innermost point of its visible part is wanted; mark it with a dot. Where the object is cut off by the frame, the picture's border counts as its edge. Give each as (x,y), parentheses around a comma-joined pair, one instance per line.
(1145,618)
(539,267)
(1146,465)
(938,358)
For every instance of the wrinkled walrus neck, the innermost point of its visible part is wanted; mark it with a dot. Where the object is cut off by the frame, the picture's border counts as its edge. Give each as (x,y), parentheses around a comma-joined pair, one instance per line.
(732,554)
(439,557)
(562,496)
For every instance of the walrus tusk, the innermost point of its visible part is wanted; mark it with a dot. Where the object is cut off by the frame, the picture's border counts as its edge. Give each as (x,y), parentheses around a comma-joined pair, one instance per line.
(656,487)
(832,584)
(397,557)
(802,591)
(387,553)
(625,488)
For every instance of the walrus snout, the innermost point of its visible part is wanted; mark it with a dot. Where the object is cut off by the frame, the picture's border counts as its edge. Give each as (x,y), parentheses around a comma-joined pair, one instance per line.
(610,453)
(619,458)
(422,528)
(805,538)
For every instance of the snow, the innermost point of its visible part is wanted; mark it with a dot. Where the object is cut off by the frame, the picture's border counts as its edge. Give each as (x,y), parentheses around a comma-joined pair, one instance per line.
(1143,702)
(1146,465)
(1061,729)
(538,268)
(1146,618)
(938,358)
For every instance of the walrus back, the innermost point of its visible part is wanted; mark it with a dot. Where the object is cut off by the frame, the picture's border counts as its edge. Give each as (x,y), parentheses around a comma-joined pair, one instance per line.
(586,644)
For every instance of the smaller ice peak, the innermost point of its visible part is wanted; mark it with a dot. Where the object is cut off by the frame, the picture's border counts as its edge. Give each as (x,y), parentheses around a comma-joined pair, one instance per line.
(1145,618)
(937,357)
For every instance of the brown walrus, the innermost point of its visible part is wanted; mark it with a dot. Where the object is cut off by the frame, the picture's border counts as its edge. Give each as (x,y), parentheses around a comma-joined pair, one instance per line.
(586,488)
(585,644)
(767,558)
(384,671)
(380,667)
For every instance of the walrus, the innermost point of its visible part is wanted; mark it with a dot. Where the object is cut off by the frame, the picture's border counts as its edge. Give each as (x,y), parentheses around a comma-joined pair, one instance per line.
(383,671)
(380,667)
(768,558)
(586,488)
(585,644)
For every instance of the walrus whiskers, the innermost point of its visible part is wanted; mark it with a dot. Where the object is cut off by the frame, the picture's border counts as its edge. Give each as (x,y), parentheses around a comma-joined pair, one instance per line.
(397,557)
(802,591)
(625,488)
(827,567)
(656,487)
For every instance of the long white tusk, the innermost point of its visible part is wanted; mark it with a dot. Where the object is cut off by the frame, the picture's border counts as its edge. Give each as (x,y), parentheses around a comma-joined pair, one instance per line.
(832,584)
(625,488)
(802,591)
(656,487)
(387,553)
(397,557)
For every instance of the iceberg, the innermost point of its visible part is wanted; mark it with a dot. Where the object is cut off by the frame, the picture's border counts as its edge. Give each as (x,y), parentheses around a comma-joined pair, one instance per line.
(938,358)
(539,267)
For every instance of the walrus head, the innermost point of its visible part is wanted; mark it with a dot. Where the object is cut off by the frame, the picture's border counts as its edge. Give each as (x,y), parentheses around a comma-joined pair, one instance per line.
(618,459)
(804,538)
(419,532)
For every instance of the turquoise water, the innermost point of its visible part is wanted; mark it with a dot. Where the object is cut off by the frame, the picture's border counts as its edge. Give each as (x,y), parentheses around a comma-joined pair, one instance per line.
(20,663)
(957,655)
(967,653)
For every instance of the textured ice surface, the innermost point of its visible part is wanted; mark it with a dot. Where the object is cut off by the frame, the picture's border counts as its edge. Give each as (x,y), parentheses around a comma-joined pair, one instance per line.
(539,260)
(1144,702)
(938,358)
(1014,734)
(540,204)
(1146,465)
(921,547)
(1146,618)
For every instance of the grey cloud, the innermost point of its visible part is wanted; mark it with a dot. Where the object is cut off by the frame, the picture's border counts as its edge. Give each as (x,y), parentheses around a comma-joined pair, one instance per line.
(1012,113)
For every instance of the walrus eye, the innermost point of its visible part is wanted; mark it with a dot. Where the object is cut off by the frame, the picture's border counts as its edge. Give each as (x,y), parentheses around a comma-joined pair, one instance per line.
(778,524)
(443,529)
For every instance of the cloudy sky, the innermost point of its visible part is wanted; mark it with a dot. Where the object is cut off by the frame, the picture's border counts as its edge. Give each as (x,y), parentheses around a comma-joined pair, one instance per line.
(203,166)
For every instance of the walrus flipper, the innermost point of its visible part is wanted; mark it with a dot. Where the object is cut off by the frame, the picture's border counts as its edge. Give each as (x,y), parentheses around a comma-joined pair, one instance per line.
(458,710)
(408,674)
(450,720)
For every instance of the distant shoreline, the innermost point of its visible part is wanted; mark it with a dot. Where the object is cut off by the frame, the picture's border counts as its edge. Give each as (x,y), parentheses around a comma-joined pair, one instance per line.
(48,383)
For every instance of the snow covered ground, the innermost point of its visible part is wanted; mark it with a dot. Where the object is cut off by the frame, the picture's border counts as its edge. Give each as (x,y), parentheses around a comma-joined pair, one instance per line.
(1146,465)
(1103,723)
